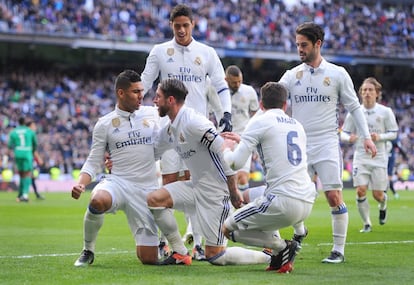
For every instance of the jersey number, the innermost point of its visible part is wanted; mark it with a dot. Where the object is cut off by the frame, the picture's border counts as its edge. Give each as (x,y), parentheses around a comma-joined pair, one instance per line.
(22,140)
(293,150)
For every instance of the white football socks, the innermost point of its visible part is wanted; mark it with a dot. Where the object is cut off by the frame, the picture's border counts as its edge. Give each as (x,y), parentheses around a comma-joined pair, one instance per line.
(363,208)
(92,223)
(339,227)
(240,256)
(168,225)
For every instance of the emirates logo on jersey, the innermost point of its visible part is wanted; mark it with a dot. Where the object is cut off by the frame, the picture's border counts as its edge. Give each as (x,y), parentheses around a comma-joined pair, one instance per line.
(170,51)
(197,60)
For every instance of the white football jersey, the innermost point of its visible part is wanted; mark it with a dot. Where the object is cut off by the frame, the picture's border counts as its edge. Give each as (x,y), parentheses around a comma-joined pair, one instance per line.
(381,120)
(129,139)
(195,139)
(243,102)
(191,64)
(281,143)
(315,94)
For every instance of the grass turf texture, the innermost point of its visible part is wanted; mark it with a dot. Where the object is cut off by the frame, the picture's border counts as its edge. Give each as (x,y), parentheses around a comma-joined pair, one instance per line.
(40,240)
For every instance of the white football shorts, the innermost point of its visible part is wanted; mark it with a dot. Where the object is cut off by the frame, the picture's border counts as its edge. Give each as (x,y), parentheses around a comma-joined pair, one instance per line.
(132,199)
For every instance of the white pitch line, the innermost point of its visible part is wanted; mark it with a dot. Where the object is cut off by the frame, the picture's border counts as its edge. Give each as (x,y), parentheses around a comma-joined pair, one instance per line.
(126,251)
(371,242)
(59,254)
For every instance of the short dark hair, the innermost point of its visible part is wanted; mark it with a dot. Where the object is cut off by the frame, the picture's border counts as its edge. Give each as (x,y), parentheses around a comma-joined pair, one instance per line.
(273,95)
(175,88)
(233,70)
(125,78)
(22,121)
(311,30)
(181,10)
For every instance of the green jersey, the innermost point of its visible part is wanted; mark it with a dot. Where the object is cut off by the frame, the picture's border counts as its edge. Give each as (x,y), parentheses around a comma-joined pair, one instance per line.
(23,141)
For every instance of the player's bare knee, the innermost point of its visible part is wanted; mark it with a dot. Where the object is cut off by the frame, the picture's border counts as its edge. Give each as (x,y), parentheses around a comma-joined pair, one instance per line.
(334,198)
(101,200)
(361,191)
(378,195)
(159,198)
(99,205)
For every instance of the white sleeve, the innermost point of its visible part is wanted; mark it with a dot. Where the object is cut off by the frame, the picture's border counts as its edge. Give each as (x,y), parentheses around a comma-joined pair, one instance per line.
(347,129)
(254,101)
(361,122)
(151,71)
(345,136)
(162,143)
(237,158)
(217,75)
(212,140)
(391,127)
(95,159)
(249,140)
(388,136)
(214,101)
(216,147)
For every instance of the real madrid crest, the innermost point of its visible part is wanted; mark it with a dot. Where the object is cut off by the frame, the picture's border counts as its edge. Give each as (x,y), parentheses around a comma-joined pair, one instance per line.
(182,140)
(327,81)
(299,75)
(146,123)
(170,51)
(116,122)
(197,61)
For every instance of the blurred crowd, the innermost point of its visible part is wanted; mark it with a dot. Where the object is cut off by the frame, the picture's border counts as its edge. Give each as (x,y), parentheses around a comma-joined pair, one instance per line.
(66,109)
(379,28)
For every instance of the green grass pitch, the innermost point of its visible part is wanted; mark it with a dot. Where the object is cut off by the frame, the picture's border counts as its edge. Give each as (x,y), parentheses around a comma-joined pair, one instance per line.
(40,240)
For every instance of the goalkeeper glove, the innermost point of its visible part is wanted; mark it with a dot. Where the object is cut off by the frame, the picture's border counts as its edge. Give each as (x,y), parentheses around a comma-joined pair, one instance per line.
(226,121)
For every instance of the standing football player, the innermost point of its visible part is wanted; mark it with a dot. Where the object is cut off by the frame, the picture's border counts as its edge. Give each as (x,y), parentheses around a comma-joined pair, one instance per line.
(316,88)
(368,171)
(244,105)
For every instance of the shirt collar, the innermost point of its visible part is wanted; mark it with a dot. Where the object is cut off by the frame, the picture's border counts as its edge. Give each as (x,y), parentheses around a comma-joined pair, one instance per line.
(276,111)
(370,111)
(184,48)
(321,67)
(123,113)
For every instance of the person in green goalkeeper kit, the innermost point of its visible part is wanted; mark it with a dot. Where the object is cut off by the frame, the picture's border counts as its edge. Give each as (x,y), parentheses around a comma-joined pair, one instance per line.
(23,142)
